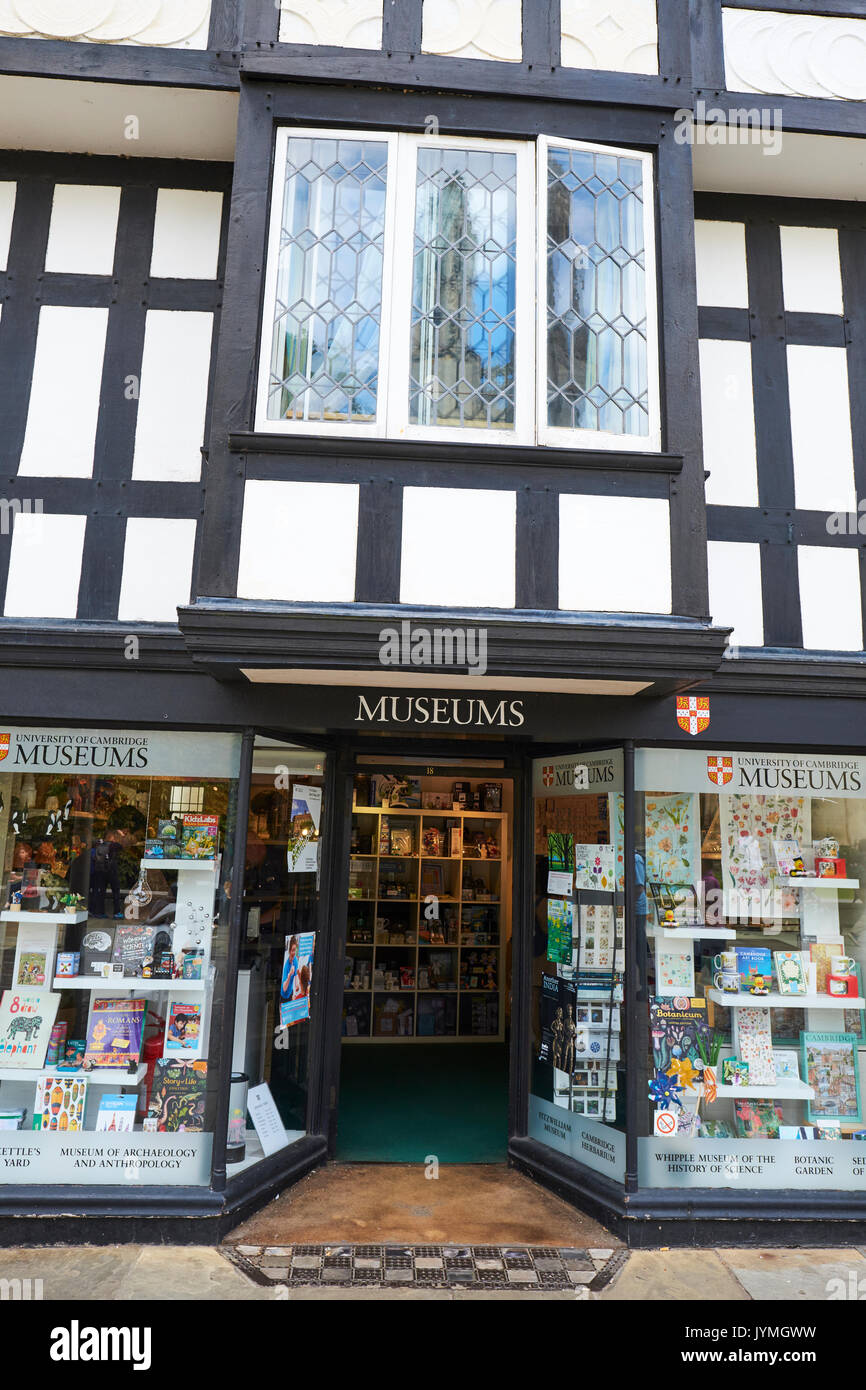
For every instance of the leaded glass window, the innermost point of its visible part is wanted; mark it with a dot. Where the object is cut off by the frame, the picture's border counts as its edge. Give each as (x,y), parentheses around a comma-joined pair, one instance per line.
(462,369)
(597,376)
(327,318)
(461,289)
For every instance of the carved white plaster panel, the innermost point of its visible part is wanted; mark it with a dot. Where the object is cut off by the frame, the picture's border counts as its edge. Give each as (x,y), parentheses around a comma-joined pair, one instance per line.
(473,29)
(341,23)
(612,35)
(802,55)
(155,23)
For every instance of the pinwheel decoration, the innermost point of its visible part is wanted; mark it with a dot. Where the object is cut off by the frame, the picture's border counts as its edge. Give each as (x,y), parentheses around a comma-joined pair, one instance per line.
(683,1071)
(665,1091)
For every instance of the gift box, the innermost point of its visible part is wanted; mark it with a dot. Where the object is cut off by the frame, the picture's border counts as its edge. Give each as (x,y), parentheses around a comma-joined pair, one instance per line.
(68,963)
(830,868)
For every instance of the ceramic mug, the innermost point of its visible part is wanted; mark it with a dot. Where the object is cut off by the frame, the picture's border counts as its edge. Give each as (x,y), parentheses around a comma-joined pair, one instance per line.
(728,981)
(725,960)
(842,965)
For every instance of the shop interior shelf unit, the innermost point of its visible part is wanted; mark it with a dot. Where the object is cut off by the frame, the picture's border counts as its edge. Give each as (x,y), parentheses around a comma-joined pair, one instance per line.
(413,952)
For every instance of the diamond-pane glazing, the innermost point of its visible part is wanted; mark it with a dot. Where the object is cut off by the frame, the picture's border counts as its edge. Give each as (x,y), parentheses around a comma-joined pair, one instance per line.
(596,294)
(462,369)
(327,320)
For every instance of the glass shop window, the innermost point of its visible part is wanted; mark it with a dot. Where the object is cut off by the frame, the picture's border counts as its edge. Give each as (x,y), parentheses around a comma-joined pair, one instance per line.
(579,1031)
(113,940)
(277,963)
(755,955)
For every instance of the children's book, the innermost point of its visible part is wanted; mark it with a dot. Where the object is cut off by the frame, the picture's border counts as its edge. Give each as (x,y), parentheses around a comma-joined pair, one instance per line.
(200,837)
(184,1028)
(790,969)
(757,1119)
(753,961)
(117,1112)
(115,1032)
(26,1019)
(34,954)
(675,1027)
(59,1103)
(177,1101)
(132,946)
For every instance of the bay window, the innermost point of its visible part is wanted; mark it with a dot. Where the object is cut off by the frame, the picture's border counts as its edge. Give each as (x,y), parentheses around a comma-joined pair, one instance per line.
(436,287)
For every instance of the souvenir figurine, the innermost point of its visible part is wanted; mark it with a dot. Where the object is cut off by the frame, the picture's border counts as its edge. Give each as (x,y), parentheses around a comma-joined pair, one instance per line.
(757,984)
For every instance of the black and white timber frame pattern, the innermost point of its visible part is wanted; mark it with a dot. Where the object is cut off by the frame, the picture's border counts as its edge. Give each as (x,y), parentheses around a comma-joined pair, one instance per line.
(111,495)
(776,523)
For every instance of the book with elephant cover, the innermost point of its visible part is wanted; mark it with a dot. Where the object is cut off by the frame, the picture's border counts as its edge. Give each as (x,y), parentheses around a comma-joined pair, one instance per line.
(26,1019)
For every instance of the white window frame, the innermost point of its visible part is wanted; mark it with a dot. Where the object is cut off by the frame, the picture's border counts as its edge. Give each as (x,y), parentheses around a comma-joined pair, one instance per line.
(556,435)
(375,429)
(392,401)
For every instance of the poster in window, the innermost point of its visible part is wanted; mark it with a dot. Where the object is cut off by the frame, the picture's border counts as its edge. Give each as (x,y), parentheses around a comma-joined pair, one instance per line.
(303,849)
(297,978)
(672,825)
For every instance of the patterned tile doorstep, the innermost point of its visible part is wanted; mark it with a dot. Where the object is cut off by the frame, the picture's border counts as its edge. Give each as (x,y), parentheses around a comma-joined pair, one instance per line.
(428,1266)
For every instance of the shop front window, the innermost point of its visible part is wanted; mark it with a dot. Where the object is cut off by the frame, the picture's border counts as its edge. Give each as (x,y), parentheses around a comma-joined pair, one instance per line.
(115,848)
(276,966)
(755,959)
(577,1100)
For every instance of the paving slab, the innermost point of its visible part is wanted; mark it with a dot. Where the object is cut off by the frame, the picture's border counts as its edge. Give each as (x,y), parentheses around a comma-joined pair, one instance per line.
(663,1276)
(775,1276)
(186,1273)
(82,1272)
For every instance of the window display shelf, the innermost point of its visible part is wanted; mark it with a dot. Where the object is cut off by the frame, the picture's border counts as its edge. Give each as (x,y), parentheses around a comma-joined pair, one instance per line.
(692,933)
(209,864)
(100,1076)
(69,918)
(784,1001)
(818,882)
(128,982)
(780,1090)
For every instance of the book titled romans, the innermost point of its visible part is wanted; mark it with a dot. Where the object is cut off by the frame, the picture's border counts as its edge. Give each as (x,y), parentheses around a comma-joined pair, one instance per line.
(115,1033)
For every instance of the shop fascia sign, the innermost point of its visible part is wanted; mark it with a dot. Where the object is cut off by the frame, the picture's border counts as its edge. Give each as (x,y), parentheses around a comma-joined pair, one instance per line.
(118,751)
(757,774)
(442,711)
(575,774)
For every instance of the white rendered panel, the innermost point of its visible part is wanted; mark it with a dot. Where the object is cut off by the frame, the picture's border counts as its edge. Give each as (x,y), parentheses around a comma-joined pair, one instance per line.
(735,590)
(299,541)
(720,249)
(83,230)
(186,234)
(175,370)
(44,565)
(821,428)
(459,547)
(614,554)
(64,395)
(830,598)
(157,568)
(728,417)
(7,212)
(811,274)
